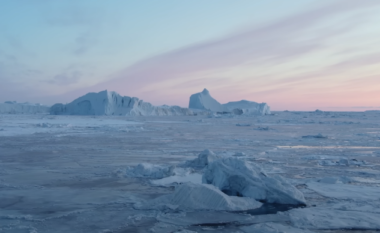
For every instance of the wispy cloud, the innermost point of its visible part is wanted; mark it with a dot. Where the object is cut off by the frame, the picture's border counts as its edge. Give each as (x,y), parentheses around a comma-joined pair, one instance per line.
(271,44)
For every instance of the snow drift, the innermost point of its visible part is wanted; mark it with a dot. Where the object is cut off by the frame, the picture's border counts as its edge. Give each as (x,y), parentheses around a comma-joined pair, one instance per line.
(111,103)
(189,196)
(12,107)
(237,177)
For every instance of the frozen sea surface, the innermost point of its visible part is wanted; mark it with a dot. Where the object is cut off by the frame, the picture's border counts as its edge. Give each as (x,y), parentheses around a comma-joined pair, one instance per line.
(68,173)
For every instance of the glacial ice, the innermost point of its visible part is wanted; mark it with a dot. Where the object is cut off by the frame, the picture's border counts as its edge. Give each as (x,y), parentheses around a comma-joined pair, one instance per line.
(241,178)
(204,101)
(190,196)
(12,107)
(111,103)
(248,107)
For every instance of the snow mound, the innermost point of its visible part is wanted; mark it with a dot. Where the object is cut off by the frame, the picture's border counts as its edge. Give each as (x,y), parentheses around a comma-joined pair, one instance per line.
(12,107)
(204,158)
(330,219)
(146,170)
(239,178)
(204,101)
(111,103)
(189,196)
(247,107)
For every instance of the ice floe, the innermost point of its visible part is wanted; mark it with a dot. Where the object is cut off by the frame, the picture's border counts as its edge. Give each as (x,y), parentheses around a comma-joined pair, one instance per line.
(147,170)
(241,178)
(190,196)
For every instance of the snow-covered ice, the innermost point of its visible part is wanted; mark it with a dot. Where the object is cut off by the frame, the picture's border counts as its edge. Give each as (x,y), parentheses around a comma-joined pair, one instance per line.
(68,173)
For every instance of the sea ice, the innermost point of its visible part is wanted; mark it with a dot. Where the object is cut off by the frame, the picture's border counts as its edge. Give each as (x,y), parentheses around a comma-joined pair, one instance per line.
(241,178)
(189,196)
(345,191)
(204,158)
(272,228)
(330,219)
(152,171)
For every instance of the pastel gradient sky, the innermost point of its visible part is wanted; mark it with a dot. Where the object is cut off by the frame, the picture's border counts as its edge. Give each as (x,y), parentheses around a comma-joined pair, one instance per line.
(293,54)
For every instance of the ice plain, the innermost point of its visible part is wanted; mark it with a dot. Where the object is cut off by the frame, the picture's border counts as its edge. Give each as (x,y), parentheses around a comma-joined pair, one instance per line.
(70,173)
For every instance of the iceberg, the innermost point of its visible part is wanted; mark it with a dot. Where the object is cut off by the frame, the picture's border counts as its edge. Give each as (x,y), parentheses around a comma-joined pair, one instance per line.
(111,103)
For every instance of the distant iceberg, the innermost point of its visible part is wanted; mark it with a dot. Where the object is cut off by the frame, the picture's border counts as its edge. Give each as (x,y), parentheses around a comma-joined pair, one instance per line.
(12,107)
(111,103)
(204,101)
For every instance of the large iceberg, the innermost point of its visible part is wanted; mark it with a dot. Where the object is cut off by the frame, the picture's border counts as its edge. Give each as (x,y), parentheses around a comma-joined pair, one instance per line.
(111,103)
(248,107)
(12,107)
(241,178)
(204,101)
(189,196)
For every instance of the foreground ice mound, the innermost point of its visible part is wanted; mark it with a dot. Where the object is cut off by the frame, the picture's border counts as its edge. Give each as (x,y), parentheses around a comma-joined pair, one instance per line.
(247,107)
(204,101)
(12,107)
(146,170)
(272,228)
(111,103)
(189,196)
(239,178)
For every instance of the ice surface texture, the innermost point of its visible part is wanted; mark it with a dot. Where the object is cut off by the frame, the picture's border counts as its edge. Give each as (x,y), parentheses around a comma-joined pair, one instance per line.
(238,177)
(111,103)
(189,196)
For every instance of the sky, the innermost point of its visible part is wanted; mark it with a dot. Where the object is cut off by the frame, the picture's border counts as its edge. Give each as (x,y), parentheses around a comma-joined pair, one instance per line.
(294,55)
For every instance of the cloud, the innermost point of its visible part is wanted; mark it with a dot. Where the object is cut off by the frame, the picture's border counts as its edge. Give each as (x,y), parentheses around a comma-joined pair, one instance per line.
(271,44)
(67,78)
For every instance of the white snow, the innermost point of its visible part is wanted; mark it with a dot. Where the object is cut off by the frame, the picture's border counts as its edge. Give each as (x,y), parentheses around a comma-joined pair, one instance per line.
(190,196)
(111,103)
(248,107)
(239,177)
(204,101)
(12,107)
